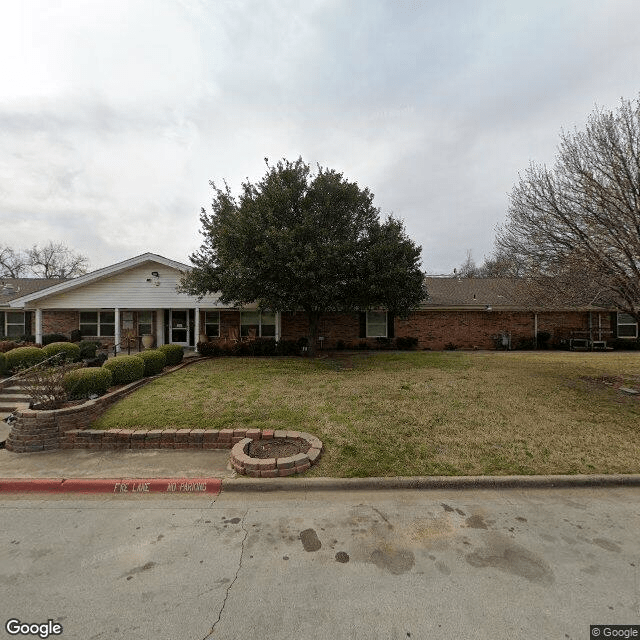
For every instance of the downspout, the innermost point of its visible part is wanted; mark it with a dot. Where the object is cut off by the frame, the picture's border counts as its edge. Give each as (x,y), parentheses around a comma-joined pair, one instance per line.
(535,330)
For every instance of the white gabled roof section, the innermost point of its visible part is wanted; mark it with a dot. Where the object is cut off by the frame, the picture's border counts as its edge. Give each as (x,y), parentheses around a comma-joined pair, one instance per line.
(100,274)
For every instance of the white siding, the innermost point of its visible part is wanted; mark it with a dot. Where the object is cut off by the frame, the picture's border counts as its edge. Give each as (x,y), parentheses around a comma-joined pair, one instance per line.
(129,290)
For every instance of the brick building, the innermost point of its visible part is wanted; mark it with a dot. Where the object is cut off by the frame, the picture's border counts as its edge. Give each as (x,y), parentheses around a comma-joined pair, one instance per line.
(138,297)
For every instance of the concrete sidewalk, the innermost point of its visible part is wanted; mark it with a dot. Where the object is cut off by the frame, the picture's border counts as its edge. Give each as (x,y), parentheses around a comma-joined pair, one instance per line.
(151,463)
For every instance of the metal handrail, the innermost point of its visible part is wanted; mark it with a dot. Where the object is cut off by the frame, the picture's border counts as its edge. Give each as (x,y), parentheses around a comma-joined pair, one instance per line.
(137,340)
(35,366)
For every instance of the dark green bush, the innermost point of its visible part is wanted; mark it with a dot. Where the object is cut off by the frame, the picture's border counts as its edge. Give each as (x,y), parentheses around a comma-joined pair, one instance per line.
(450,346)
(23,357)
(526,343)
(82,383)
(4,368)
(173,352)
(68,351)
(543,339)
(88,348)
(208,349)
(125,369)
(154,362)
(76,335)
(53,337)
(407,343)
(628,344)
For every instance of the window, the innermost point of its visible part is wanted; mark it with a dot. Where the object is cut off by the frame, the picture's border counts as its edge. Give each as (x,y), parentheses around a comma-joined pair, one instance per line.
(212,324)
(264,323)
(144,323)
(14,324)
(627,326)
(98,323)
(376,324)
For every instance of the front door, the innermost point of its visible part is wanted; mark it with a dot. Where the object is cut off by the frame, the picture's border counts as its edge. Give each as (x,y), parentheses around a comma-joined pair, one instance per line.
(179,323)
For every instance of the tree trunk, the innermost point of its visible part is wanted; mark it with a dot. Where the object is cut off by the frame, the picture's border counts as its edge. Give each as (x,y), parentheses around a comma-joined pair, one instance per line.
(314,321)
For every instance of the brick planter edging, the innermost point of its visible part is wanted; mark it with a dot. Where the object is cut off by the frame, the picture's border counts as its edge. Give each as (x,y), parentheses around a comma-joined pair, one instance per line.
(37,430)
(243,463)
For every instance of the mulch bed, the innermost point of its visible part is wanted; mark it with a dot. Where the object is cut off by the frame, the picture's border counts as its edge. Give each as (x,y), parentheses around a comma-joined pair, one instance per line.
(277,448)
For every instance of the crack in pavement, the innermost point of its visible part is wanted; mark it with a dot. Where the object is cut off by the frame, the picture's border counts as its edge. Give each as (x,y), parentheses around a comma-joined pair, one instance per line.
(226,595)
(382,516)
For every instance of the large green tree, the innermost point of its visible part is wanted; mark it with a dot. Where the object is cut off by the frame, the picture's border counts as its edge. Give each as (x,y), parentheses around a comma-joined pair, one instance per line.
(298,241)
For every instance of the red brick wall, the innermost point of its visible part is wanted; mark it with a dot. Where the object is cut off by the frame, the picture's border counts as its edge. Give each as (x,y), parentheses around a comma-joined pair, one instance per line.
(435,329)
(59,321)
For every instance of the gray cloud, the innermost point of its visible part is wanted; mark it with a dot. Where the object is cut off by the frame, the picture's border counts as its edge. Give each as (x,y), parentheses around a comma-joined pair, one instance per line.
(114,117)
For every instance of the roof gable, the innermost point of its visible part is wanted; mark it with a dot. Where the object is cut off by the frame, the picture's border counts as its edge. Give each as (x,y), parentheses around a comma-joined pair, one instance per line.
(59,287)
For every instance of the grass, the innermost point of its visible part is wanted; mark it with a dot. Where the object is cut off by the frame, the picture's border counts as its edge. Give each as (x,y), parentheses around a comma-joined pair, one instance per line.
(417,413)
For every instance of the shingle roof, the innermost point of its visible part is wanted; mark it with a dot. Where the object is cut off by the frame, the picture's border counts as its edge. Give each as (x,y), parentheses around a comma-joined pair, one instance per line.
(11,288)
(509,293)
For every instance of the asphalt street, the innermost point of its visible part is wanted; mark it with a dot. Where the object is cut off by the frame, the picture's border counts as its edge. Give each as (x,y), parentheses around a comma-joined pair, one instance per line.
(488,564)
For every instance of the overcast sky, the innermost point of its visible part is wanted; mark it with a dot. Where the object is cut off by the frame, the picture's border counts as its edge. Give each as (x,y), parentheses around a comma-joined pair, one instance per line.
(115,115)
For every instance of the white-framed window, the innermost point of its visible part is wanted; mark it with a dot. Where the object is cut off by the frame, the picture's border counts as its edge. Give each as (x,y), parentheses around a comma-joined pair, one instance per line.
(262,322)
(212,324)
(627,326)
(376,324)
(98,323)
(14,324)
(145,322)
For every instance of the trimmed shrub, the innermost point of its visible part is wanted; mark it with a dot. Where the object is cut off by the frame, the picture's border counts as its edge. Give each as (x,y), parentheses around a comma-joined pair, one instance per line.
(624,344)
(208,349)
(154,361)
(88,349)
(81,383)
(53,337)
(407,343)
(98,361)
(4,368)
(125,369)
(23,357)
(76,335)
(173,352)
(68,351)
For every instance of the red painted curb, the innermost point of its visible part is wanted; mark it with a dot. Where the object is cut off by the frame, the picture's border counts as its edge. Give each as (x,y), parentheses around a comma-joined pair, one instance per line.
(118,486)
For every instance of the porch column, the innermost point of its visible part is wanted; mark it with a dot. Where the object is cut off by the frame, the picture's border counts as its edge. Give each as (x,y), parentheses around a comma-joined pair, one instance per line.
(196,329)
(38,326)
(117,332)
(159,327)
(277,326)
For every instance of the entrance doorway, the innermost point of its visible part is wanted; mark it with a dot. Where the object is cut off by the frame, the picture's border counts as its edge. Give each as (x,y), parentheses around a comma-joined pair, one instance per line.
(179,325)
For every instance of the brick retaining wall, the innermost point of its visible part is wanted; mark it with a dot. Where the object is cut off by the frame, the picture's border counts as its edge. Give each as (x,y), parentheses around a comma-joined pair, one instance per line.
(37,430)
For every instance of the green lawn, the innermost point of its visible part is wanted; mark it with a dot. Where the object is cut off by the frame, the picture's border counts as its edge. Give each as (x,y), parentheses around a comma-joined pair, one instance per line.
(419,413)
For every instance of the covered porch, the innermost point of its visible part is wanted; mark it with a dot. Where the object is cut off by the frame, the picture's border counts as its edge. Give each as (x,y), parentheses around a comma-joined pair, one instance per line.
(128,328)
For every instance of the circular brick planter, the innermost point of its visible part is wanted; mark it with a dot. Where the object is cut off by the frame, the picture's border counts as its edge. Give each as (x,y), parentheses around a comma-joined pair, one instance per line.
(243,463)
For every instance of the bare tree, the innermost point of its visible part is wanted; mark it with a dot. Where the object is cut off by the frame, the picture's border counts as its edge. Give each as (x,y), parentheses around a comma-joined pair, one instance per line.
(498,265)
(469,268)
(56,260)
(13,263)
(575,228)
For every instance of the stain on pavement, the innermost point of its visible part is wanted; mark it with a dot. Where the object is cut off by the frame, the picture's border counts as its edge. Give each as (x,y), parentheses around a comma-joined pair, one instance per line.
(310,540)
(500,553)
